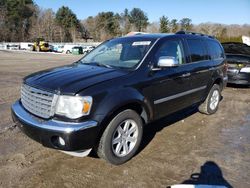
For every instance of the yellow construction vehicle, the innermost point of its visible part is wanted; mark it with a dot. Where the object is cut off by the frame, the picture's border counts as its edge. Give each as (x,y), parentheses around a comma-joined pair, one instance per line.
(41,45)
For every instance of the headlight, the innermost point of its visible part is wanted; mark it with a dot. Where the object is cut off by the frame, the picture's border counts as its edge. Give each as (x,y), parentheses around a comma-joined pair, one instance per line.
(73,106)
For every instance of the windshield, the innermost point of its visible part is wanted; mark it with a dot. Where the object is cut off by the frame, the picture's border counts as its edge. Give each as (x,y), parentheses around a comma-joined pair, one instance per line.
(125,53)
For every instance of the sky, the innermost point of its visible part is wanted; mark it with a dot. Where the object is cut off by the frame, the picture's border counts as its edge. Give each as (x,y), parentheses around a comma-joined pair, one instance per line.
(200,11)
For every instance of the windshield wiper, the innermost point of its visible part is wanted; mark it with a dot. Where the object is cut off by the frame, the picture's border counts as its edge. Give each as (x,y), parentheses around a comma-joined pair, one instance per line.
(98,64)
(104,65)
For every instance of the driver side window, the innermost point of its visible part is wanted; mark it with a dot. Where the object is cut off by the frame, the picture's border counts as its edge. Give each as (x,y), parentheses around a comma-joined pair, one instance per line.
(171,48)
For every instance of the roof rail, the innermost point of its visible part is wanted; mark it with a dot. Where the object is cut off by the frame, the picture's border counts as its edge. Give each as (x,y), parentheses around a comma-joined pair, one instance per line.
(193,33)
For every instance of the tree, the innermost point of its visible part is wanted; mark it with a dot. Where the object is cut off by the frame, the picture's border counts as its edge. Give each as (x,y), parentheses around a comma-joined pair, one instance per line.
(3,29)
(125,24)
(107,23)
(186,24)
(16,16)
(68,21)
(138,18)
(84,33)
(164,25)
(90,25)
(174,25)
(153,27)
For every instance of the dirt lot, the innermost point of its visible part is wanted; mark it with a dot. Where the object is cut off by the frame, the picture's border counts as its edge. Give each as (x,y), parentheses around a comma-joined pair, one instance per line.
(173,148)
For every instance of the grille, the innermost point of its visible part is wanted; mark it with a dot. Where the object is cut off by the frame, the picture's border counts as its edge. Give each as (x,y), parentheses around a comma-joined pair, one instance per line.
(38,102)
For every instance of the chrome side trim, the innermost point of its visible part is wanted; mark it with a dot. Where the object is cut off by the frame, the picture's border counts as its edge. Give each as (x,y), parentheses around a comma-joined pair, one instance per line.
(52,125)
(179,95)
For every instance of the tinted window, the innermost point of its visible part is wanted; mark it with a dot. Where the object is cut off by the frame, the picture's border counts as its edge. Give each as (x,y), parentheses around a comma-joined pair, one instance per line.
(197,50)
(214,49)
(171,48)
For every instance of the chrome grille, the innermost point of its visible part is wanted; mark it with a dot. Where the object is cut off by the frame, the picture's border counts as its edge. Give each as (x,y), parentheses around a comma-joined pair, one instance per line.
(38,102)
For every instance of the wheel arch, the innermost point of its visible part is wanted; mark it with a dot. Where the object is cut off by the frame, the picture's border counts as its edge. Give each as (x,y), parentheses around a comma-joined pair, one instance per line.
(218,81)
(135,105)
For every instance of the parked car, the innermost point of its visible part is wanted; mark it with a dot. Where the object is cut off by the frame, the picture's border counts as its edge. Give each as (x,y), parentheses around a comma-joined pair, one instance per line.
(51,48)
(58,48)
(25,46)
(87,49)
(13,47)
(77,50)
(238,58)
(103,101)
(68,48)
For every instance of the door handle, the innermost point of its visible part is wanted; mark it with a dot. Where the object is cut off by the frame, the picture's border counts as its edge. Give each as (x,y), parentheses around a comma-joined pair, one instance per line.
(185,75)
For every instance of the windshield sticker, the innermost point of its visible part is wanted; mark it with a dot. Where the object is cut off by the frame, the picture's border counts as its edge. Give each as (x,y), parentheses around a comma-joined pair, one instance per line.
(141,43)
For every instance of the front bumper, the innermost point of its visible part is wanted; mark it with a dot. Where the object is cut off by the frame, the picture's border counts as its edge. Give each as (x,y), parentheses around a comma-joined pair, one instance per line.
(77,136)
(240,78)
(225,81)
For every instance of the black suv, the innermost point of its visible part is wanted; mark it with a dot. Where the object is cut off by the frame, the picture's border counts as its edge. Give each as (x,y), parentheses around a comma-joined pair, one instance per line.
(103,101)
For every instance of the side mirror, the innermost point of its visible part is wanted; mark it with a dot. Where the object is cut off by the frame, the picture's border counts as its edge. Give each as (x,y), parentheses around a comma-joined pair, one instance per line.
(167,61)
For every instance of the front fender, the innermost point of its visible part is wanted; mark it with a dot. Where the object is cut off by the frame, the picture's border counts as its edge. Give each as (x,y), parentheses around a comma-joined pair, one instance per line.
(120,98)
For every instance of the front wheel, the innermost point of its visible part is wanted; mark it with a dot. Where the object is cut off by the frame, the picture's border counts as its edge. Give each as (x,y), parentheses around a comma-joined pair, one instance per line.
(211,104)
(122,137)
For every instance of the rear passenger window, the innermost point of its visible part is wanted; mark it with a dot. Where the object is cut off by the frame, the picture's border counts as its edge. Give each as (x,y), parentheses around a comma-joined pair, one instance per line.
(197,50)
(214,49)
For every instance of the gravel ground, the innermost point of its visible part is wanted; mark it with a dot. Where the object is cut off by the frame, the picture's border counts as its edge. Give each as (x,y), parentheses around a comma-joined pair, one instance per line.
(186,147)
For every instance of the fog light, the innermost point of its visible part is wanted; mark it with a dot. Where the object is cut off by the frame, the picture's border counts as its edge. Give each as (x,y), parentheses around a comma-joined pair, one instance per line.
(61,141)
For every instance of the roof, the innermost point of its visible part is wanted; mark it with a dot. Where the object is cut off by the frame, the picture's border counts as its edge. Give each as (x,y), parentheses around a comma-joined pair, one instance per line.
(154,36)
(149,35)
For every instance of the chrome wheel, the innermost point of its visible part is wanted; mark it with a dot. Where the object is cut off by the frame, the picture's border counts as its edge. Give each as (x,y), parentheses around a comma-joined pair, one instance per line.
(124,138)
(214,101)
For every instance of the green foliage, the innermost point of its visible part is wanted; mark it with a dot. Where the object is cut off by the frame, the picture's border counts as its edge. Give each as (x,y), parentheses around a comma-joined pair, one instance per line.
(164,25)
(108,22)
(186,24)
(17,15)
(174,25)
(66,18)
(22,20)
(138,18)
(68,21)
(125,25)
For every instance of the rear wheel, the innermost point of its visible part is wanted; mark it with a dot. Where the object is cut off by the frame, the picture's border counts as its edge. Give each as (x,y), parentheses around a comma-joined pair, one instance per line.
(211,104)
(122,137)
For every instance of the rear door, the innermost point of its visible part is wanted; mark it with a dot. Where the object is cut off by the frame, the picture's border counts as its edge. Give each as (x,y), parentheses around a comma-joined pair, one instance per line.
(200,67)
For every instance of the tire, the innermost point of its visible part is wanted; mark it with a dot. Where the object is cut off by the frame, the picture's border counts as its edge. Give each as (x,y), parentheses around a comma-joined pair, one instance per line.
(117,145)
(67,52)
(211,104)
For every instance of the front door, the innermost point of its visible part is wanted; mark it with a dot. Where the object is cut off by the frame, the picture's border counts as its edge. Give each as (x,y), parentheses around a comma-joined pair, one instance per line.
(171,86)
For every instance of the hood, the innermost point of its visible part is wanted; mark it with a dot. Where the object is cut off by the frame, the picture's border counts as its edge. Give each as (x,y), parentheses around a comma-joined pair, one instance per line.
(238,59)
(72,78)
